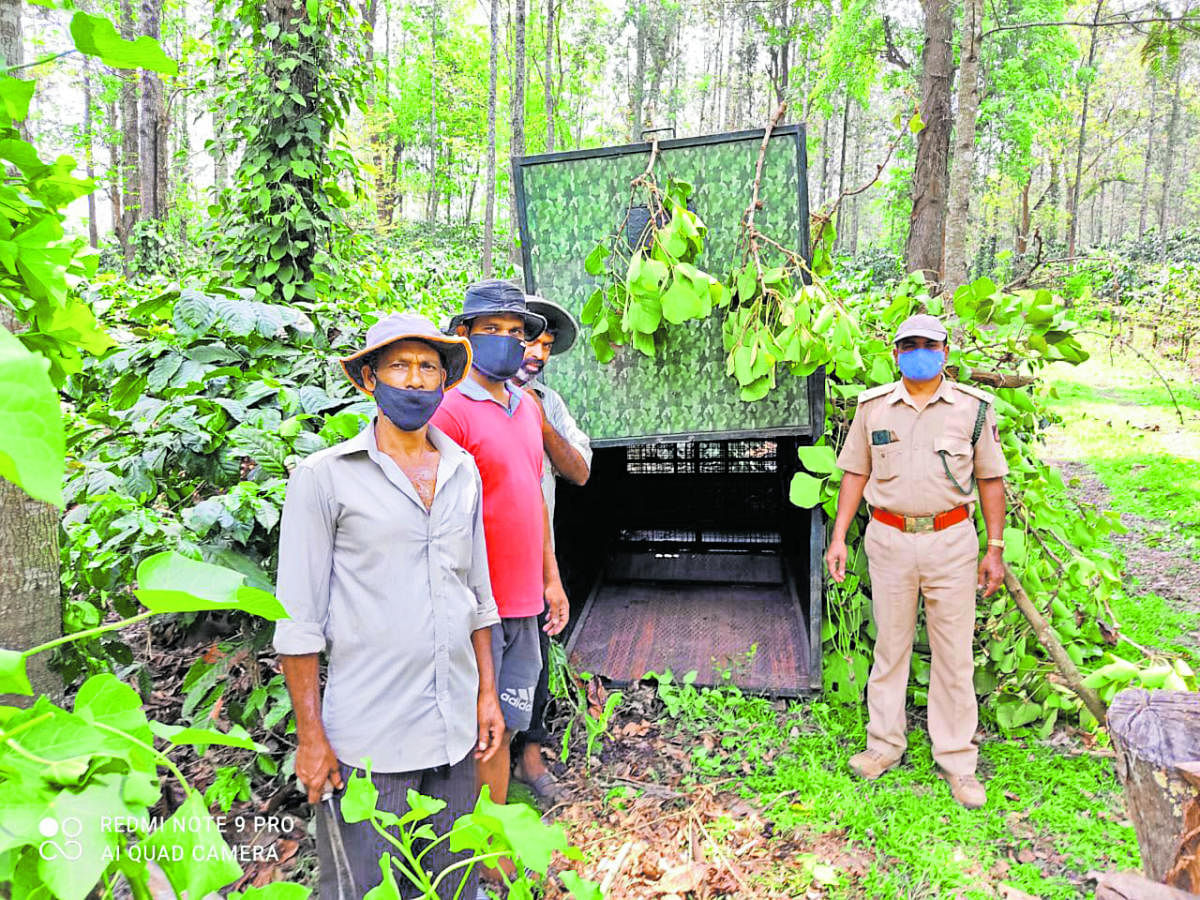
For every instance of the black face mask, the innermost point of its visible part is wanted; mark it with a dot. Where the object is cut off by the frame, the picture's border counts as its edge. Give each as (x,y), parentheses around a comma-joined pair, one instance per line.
(406,408)
(498,356)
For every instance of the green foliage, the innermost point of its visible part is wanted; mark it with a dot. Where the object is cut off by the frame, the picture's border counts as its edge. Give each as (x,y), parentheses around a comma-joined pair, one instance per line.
(653,280)
(96,36)
(490,833)
(31,432)
(289,90)
(580,692)
(66,777)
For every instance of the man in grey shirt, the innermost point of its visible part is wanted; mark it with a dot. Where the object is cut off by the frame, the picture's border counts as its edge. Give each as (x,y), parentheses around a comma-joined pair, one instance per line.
(382,562)
(568,455)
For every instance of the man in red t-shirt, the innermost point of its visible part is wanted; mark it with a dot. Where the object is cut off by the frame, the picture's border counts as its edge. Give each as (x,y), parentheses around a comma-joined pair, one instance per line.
(502,429)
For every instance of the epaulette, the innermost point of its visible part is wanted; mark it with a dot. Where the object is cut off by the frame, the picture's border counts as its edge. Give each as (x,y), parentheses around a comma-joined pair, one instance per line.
(877,391)
(977,393)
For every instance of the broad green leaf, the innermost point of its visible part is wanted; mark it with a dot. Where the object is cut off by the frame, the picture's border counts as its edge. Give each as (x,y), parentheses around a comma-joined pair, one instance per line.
(205,861)
(13,678)
(205,737)
(580,888)
(32,444)
(594,264)
(15,94)
(74,856)
(169,582)
(361,798)
(821,460)
(106,699)
(96,36)
(387,889)
(805,490)
(592,308)
(681,302)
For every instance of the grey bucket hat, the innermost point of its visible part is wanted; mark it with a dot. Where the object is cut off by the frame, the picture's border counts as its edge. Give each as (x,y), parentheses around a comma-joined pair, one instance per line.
(455,351)
(559,322)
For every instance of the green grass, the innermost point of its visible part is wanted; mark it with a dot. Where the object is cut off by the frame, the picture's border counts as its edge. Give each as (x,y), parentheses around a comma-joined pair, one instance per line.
(921,842)
(1119,420)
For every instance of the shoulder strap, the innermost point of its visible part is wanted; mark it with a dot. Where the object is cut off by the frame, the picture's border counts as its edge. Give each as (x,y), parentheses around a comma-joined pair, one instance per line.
(979,419)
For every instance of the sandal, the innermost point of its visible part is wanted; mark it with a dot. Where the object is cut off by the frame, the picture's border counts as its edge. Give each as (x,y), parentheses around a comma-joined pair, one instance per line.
(545,787)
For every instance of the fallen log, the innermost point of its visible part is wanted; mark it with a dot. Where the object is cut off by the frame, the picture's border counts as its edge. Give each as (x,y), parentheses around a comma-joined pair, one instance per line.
(1133,886)
(1157,738)
(1049,639)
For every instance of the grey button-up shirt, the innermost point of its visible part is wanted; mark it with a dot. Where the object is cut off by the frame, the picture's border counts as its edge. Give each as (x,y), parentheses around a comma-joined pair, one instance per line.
(564,423)
(394,592)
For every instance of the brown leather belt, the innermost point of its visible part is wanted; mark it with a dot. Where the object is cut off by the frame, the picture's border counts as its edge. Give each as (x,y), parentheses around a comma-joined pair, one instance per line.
(921,523)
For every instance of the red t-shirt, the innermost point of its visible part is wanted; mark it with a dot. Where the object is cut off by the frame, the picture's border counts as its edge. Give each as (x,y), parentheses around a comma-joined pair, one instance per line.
(507,447)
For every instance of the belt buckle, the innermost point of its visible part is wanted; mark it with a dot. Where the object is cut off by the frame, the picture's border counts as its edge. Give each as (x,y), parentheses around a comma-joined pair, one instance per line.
(918,524)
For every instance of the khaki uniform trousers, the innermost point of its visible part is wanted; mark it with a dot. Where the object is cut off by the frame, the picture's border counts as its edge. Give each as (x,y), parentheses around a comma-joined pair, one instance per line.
(942,567)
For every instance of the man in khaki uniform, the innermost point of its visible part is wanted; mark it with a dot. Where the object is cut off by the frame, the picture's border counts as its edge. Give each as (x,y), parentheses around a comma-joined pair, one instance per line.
(916,450)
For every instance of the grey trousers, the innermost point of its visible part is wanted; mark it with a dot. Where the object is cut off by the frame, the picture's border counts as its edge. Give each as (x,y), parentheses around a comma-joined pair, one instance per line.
(364,845)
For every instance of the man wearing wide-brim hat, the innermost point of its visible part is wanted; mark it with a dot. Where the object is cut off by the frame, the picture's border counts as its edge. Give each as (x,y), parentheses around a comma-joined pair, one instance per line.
(382,563)
(916,450)
(502,428)
(568,454)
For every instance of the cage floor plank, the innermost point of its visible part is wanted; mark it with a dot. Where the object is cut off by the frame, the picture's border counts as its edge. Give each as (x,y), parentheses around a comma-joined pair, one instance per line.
(630,629)
(739,568)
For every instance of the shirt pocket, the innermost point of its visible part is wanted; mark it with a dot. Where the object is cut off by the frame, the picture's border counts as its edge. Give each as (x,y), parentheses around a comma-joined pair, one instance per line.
(956,455)
(885,461)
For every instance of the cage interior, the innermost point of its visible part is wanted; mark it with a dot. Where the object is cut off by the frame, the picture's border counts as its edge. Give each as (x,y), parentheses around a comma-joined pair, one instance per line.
(688,556)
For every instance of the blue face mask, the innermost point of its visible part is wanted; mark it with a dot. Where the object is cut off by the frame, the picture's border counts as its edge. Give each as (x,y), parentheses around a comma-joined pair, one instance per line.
(498,356)
(406,408)
(921,365)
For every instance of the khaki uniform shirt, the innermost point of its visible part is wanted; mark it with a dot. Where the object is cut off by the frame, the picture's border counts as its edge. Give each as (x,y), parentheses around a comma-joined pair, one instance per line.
(393,591)
(897,445)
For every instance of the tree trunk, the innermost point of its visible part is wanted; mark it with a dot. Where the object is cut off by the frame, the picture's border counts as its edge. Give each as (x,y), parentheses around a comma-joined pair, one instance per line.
(431,201)
(547,79)
(927,224)
(220,145)
(30,602)
(1156,735)
(637,120)
(1073,209)
(130,168)
(152,126)
(959,204)
(1149,156)
(30,605)
(1168,157)
(89,153)
(517,115)
(489,206)
(114,168)
(1055,199)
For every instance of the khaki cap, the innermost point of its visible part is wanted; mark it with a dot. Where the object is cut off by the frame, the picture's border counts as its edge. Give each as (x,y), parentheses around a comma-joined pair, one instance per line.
(921,325)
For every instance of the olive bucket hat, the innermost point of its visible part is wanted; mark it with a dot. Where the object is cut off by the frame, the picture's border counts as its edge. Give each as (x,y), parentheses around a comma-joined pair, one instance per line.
(454,351)
(559,322)
(497,297)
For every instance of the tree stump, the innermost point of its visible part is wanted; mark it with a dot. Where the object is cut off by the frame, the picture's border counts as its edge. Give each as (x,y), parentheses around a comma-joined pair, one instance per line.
(1156,735)
(1132,886)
